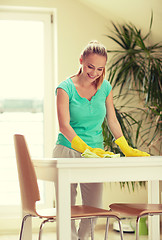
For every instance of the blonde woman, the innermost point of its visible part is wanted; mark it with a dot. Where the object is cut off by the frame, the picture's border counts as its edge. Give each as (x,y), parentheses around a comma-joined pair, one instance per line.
(83,101)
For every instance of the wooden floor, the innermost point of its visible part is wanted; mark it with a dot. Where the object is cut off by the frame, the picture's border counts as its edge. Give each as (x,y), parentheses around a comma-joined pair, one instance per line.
(99,235)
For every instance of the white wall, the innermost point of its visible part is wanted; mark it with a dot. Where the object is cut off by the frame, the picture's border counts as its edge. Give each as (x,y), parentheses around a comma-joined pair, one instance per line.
(137,12)
(77,25)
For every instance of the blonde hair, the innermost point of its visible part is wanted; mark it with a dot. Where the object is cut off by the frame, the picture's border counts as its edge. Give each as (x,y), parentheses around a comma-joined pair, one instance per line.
(95,47)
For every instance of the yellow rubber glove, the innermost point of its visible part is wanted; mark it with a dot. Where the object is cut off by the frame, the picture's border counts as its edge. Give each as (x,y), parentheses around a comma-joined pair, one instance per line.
(79,145)
(129,151)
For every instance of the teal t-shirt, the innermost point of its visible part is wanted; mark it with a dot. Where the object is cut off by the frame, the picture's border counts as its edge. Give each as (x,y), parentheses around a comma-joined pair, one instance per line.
(86,117)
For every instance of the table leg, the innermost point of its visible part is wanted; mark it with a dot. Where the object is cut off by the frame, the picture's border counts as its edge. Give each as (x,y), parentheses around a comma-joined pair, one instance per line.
(154,221)
(63,205)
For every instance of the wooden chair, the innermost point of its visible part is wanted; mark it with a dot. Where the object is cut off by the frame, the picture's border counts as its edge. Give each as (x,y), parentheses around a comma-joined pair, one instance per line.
(137,210)
(30,194)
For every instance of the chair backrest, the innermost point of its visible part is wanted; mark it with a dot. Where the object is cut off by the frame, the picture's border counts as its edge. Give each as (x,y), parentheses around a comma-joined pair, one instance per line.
(27,177)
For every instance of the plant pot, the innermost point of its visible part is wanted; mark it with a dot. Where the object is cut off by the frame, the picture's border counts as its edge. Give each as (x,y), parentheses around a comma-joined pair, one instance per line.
(143,229)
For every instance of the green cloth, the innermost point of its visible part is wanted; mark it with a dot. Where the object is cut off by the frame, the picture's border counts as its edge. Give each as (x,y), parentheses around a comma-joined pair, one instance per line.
(88,154)
(86,117)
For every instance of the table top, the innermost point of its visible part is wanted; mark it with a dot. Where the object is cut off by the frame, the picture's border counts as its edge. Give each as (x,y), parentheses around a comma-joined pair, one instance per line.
(69,162)
(101,169)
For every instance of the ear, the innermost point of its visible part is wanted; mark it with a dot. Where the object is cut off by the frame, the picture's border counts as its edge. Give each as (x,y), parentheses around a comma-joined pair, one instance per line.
(81,59)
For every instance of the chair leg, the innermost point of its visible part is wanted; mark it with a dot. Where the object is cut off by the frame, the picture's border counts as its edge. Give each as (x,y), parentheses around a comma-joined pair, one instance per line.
(22,225)
(92,229)
(121,229)
(41,229)
(42,225)
(137,228)
(107,228)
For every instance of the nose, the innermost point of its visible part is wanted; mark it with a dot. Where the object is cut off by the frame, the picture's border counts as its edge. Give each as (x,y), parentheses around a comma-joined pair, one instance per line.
(93,72)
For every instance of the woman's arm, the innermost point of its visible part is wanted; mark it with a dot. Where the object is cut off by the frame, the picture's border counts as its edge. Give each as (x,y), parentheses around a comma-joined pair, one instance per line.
(117,132)
(111,117)
(64,115)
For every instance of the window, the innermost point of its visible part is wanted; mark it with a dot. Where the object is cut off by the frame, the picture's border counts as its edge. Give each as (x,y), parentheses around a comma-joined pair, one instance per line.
(28,79)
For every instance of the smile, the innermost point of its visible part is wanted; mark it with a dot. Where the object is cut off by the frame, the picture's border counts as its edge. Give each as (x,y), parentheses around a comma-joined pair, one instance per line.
(92,77)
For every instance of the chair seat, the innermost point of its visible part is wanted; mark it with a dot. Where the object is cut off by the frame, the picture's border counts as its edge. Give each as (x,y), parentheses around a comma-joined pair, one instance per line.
(82,210)
(47,213)
(136,209)
(78,211)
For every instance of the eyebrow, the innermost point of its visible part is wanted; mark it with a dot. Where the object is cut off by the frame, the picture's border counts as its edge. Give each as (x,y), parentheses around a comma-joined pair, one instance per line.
(94,66)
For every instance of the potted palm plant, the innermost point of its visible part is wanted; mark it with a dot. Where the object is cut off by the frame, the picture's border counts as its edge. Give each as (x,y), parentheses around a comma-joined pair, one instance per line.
(136,70)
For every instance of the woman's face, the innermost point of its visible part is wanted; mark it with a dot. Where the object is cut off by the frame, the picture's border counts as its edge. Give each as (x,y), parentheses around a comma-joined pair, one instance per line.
(93,66)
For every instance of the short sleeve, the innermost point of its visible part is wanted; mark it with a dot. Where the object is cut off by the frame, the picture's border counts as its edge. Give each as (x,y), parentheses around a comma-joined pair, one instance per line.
(106,86)
(66,86)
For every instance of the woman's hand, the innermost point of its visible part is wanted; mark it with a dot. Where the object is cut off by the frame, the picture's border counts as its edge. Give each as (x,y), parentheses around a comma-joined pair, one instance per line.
(129,151)
(79,145)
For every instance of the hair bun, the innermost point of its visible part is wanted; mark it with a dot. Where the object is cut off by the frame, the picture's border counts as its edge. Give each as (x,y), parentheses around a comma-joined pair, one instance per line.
(94,42)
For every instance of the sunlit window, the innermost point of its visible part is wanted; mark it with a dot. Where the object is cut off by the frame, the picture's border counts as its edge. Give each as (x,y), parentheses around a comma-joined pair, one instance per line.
(21,97)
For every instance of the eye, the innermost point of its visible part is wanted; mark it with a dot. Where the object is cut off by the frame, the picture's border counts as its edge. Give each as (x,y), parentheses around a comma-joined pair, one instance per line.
(100,69)
(90,67)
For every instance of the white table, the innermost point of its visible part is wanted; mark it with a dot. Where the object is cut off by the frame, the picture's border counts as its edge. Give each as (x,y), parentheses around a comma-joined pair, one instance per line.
(65,171)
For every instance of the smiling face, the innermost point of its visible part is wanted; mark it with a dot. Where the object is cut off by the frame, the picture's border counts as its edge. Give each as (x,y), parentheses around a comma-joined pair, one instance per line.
(93,66)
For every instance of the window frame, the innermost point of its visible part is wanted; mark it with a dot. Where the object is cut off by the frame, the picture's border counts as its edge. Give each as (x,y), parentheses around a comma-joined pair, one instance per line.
(13,212)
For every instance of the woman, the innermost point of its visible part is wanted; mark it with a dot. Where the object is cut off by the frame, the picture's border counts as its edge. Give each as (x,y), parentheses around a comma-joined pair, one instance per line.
(83,101)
